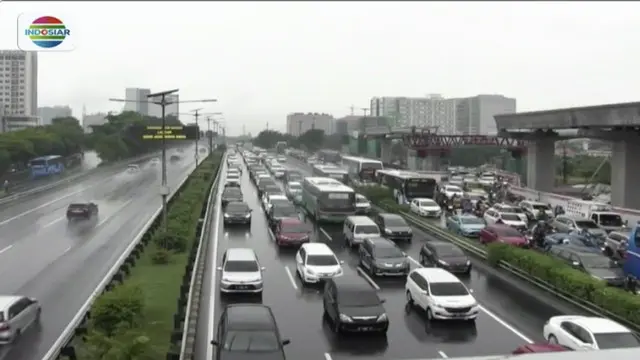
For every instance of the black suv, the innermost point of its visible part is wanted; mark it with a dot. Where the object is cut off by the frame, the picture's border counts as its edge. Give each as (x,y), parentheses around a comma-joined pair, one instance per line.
(352,305)
(394,227)
(445,255)
(231,194)
(248,331)
(382,257)
(85,211)
(237,212)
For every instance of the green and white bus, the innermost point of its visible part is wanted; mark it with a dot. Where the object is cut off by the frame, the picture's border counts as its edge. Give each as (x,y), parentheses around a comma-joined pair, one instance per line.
(331,171)
(328,200)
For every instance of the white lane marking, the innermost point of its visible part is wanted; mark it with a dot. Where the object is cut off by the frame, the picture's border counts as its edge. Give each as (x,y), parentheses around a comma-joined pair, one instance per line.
(114,213)
(54,221)
(214,268)
(6,249)
(327,356)
(368,278)
(273,237)
(293,281)
(442,354)
(325,233)
(495,317)
(67,250)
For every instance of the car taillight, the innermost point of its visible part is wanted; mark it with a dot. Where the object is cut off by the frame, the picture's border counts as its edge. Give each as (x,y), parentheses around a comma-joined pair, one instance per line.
(4,326)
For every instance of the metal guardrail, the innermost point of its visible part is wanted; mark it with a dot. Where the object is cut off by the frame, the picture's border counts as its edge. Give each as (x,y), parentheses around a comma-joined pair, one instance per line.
(69,331)
(71,178)
(188,332)
(466,245)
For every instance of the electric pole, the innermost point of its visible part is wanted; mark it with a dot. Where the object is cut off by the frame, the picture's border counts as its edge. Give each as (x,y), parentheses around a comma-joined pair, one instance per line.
(352,109)
(364,111)
(210,131)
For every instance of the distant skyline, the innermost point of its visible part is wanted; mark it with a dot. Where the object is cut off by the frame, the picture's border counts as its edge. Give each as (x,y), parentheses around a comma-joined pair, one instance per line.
(266,60)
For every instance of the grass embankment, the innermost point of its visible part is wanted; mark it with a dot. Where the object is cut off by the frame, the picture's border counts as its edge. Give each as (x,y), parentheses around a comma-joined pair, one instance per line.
(135,320)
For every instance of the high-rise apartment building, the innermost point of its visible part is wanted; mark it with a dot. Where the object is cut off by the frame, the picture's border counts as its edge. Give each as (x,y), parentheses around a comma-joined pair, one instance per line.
(19,82)
(48,113)
(136,100)
(299,123)
(172,109)
(474,115)
(431,111)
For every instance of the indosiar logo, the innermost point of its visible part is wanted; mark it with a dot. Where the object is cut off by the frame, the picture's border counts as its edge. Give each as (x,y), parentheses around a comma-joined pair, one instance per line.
(38,32)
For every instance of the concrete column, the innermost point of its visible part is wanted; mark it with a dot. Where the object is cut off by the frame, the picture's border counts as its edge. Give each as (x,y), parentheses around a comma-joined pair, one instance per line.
(385,151)
(541,165)
(431,162)
(412,160)
(625,173)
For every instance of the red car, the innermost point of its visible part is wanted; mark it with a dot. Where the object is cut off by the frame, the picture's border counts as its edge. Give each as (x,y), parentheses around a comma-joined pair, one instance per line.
(539,348)
(291,232)
(503,233)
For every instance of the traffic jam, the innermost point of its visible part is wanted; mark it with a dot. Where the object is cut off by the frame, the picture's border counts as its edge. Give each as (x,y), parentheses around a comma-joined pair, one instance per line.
(342,279)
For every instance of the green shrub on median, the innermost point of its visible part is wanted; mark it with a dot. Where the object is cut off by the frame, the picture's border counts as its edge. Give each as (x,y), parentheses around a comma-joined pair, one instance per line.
(568,280)
(134,320)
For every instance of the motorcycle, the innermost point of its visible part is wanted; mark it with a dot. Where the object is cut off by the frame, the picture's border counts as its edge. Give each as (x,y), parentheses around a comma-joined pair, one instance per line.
(450,210)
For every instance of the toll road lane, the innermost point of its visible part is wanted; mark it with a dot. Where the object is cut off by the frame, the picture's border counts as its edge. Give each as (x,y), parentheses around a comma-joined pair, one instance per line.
(62,268)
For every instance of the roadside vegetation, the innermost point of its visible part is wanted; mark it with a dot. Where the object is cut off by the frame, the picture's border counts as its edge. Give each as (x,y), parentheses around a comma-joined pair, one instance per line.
(135,319)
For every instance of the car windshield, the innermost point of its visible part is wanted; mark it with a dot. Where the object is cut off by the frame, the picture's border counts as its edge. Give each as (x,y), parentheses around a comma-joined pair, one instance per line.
(241,266)
(279,202)
(596,261)
(512,210)
(387,252)
(294,229)
(237,208)
(395,221)
(448,250)
(284,211)
(295,187)
(586,224)
(453,189)
(610,220)
(367,229)
(361,199)
(321,260)
(507,232)
(541,207)
(509,217)
(448,289)
(469,220)
(358,298)
(251,341)
(272,189)
(616,340)
(428,203)
(230,191)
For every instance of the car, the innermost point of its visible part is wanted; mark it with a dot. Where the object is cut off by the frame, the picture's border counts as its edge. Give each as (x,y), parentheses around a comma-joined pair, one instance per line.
(231,194)
(133,168)
(534,209)
(236,167)
(268,185)
(492,216)
(17,314)
(588,333)
(358,228)
(82,211)
(363,205)
(444,255)
(316,262)
(538,348)
(616,244)
(268,200)
(278,171)
(382,257)
(233,176)
(282,159)
(293,189)
(425,207)
(237,212)
(241,272)
(597,265)
(450,190)
(248,331)
(291,232)
(441,295)
(573,239)
(505,208)
(293,176)
(174,158)
(394,227)
(350,304)
(281,211)
(568,223)
(466,225)
(503,233)
(232,183)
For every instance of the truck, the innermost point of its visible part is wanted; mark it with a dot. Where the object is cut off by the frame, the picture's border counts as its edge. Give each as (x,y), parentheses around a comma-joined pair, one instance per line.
(281,147)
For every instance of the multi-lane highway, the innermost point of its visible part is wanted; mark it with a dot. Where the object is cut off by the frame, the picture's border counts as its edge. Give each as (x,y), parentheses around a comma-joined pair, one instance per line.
(509,317)
(43,257)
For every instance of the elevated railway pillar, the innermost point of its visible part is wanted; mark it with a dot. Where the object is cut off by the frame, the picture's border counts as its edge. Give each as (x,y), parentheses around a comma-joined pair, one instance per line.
(540,163)
(625,172)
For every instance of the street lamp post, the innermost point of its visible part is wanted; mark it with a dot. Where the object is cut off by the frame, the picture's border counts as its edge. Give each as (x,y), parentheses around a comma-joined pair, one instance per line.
(210,131)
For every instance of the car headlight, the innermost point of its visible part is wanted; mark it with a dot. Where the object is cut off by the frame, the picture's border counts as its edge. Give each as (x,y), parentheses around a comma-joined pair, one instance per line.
(345,318)
(247,216)
(309,271)
(409,231)
(382,318)
(436,305)
(387,231)
(226,215)
(468,262)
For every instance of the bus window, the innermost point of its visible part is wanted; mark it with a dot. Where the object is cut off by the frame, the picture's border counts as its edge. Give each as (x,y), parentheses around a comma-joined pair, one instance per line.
(637,239)
(331,201)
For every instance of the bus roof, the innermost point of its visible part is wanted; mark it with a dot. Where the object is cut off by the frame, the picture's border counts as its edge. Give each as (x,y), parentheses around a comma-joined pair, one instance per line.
(328,184)
(404,174)
(328,151)
(330,169)
(48,157)
(361,159)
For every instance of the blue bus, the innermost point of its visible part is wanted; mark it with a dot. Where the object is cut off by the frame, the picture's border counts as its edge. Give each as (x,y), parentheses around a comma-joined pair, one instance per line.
(46,166)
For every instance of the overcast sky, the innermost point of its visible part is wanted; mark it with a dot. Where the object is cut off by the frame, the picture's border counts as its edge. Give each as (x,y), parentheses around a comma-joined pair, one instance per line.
(264,60)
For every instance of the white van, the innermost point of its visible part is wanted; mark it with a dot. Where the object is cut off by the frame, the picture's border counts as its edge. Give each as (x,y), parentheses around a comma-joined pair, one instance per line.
(358,228)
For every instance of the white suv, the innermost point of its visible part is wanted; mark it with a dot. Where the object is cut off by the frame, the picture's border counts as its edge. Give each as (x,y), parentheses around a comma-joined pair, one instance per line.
(358,228)
(316,262)
(17,313)
(241,272)
(440,294)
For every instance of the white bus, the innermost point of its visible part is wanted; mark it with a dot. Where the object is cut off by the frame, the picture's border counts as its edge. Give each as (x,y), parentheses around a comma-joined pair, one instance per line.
(327,199)
(361,169)
(408,185)
(331,171)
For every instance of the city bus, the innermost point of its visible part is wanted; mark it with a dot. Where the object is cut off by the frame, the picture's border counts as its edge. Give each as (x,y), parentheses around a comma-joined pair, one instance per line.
(331,171)
(361,169)
(329,156)
(328,200)
(46,166)
(408,185)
